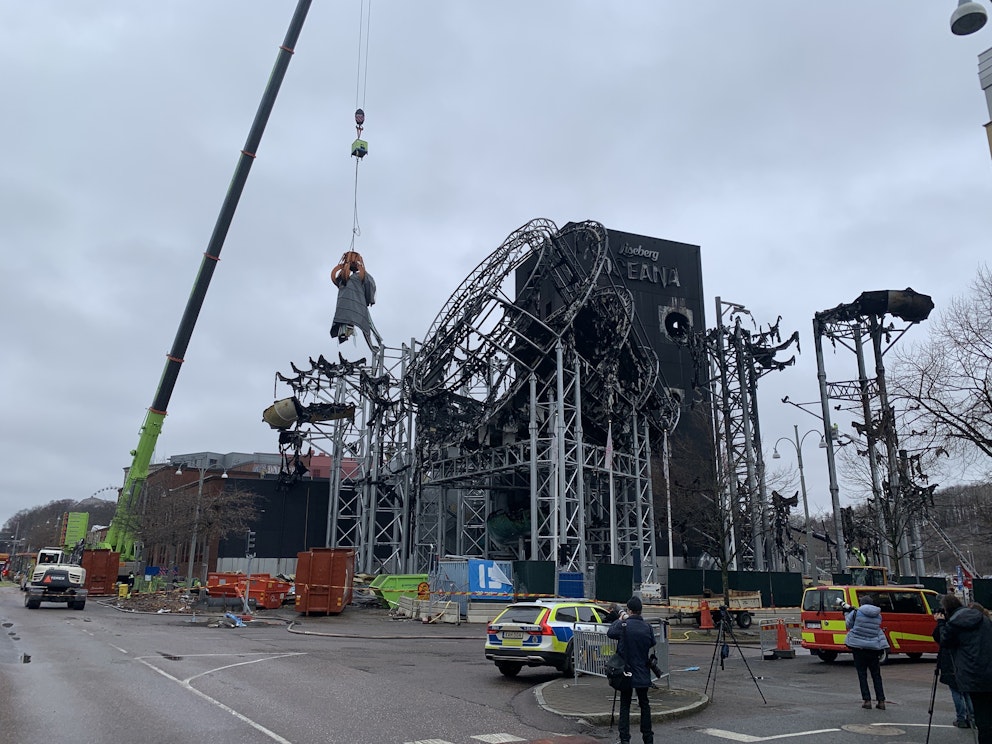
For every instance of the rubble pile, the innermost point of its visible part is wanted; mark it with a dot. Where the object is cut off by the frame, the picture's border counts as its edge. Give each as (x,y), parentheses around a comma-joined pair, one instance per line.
(174,600)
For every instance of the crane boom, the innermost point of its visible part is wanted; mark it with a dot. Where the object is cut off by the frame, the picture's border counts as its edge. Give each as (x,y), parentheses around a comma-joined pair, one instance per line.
(122,535)
(965,563)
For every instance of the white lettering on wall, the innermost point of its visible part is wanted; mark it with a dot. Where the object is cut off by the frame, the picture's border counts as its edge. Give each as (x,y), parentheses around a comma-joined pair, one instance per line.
(666,276)
(641,271)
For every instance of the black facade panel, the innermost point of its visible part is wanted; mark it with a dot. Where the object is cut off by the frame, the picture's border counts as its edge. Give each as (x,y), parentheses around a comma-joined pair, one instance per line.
(614,582)
(666,280)
(778,588)
(291,520)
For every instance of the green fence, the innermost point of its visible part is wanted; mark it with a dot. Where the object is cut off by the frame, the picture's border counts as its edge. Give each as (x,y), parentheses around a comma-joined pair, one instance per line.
(778,588)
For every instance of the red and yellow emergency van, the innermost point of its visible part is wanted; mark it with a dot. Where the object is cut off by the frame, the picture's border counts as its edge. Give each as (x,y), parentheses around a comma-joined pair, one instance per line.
(907,618)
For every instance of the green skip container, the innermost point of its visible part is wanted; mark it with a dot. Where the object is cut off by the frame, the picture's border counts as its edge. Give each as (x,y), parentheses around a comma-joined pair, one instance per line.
(390,587)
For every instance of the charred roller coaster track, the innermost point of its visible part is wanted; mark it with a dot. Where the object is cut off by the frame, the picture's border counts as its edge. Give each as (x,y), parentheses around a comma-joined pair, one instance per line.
(490,438)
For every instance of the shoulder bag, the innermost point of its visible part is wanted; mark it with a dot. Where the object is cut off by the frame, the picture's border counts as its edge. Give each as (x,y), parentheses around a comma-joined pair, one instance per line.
(618,673)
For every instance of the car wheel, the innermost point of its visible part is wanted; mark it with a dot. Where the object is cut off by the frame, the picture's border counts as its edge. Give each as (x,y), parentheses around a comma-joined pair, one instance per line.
(78,604)
(744,619)
(915,656)
(568,666)
(827,656)
(31,603)
(509,668)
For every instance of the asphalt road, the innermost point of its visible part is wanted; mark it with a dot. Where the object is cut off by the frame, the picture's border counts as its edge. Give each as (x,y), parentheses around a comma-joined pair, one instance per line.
(103,676)
(99,675)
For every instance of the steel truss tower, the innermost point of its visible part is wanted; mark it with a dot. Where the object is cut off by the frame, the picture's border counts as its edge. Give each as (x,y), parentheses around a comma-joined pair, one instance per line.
(356,413)
(537,401)
(851,325)
(734,359)
(520,429)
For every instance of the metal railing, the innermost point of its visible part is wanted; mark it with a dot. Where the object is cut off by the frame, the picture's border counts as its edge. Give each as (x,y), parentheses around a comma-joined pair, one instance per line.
(591,649)
(774,647)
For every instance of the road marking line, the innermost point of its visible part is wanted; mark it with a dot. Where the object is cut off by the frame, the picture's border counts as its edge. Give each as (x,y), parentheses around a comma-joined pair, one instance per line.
(428,741)
(498,738)
(240,716)
(748,739)
(241,663)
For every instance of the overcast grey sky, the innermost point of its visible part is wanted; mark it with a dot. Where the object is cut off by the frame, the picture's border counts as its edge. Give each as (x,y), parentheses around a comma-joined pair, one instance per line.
(813,150)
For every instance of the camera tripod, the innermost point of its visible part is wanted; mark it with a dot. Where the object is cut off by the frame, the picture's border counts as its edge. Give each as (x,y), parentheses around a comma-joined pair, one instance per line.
(722,647)
(933,697)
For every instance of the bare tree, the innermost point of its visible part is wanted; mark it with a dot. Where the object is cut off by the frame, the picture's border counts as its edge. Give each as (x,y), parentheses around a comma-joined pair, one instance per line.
(945,381)
(878,524)
(172,518)
(965,513)
(228,511)
(165,522)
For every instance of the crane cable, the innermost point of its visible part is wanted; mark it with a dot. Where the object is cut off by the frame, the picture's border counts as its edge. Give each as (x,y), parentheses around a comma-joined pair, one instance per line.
(359,148)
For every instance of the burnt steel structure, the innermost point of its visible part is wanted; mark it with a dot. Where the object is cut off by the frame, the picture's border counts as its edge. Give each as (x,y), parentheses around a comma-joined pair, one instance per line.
(522,427)
(851,325)
(729,361)
(355,412)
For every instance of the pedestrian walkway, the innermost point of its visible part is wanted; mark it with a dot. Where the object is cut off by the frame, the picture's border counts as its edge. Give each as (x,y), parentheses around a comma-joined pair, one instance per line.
(591,699)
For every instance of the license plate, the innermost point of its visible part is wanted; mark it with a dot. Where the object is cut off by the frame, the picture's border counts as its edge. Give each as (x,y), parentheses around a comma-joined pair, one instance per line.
(512,634)
(813,624)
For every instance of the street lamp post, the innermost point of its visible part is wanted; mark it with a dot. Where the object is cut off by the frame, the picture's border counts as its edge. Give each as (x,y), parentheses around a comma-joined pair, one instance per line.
(211,462)
(196,524)
(798,445)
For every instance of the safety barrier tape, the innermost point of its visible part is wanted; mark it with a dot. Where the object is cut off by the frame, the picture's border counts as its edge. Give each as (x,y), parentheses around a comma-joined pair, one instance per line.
(513,596)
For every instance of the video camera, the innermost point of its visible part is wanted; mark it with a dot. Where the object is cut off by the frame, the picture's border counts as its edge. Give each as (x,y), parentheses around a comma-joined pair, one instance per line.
(842,605)
(653,663)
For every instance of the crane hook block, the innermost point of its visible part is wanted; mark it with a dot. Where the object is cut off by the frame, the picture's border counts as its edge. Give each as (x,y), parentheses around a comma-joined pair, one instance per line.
(359,148)
(359,118)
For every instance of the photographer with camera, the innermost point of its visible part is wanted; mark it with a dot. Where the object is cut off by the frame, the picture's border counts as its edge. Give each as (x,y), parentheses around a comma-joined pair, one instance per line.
(866,640)
(613,615)
(634,642)
(964,713)
(967,636)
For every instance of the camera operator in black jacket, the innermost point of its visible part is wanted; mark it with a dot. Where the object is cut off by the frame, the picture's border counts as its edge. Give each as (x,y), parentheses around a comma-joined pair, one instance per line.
(634,642)
(968,636)
(964,714)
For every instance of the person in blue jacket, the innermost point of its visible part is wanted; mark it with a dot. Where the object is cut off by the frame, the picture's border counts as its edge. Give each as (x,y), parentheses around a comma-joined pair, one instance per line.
(634,642)
(866,639)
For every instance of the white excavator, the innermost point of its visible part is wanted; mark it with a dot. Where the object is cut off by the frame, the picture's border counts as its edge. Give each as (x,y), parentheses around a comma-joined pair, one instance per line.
(56,577)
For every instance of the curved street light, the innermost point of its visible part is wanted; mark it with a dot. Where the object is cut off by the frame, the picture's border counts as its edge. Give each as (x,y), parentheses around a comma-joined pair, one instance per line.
(202,465)
(798,446)
(968,18)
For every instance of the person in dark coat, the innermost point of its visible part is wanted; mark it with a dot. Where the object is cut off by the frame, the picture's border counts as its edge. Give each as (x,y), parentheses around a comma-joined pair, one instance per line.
(968,636)
(963,713)
(634,642)
(613,615)
(866,639)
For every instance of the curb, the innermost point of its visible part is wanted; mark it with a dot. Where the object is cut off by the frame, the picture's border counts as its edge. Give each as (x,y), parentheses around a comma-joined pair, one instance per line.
(604,717)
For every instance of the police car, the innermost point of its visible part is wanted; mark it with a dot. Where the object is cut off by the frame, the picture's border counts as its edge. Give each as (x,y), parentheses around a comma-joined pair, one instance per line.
(539,633)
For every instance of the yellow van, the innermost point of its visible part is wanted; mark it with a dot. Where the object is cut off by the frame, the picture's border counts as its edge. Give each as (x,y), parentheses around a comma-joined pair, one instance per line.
(907,618)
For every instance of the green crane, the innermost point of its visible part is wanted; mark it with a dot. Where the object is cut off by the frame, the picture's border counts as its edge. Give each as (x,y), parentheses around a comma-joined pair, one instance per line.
(122,535)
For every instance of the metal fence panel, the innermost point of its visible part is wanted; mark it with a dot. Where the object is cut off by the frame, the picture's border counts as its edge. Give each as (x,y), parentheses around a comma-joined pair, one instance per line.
(772,647)
(591,649)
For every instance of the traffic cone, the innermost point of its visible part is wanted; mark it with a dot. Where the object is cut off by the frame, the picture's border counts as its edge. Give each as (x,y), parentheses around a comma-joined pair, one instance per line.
(705,616)
(783,647)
